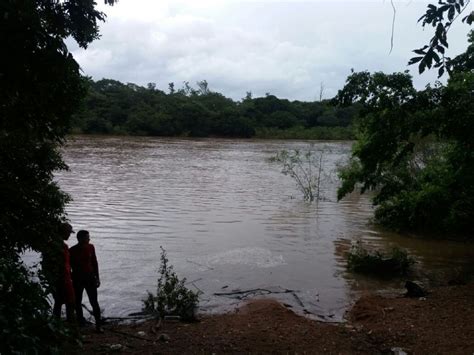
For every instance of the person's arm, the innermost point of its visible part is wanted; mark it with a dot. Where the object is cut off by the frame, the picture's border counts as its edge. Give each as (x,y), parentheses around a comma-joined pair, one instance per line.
(95,265)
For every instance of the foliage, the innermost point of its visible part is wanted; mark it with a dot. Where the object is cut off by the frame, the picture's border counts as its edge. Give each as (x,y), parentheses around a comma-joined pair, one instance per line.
(396,262)
(26,323)
(40,88)
(312,133)
(415,150)
(117,108)
(172,296)
(306,169)
(432,54)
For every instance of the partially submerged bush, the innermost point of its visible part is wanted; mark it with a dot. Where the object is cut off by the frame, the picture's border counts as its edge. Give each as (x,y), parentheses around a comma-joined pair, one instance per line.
(396,262)
(172,296)
(306,169)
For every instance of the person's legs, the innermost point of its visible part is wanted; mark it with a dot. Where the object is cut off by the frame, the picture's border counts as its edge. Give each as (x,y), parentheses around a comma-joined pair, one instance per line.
(57,307)
(91,290)
(79,290)
(70,313)
(58,300)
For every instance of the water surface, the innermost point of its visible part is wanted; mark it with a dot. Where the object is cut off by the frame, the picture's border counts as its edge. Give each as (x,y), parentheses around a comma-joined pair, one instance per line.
(228,219)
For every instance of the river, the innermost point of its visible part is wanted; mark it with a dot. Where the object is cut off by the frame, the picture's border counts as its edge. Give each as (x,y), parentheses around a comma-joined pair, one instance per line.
(229,220)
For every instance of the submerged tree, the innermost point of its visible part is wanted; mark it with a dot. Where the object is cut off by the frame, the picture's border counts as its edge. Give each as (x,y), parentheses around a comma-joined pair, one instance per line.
(306,169)
(40,88)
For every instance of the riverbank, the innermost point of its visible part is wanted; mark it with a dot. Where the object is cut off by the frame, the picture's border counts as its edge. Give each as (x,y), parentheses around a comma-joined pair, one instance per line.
(441,323)
(318,133)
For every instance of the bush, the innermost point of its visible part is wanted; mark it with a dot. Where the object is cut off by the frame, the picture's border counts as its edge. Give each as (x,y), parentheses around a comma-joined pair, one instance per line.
(172,296)
(397,262)
(306,169)
(26,325)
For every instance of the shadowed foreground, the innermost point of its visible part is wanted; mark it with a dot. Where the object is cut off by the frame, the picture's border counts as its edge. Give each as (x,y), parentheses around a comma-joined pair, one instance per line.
(441,323)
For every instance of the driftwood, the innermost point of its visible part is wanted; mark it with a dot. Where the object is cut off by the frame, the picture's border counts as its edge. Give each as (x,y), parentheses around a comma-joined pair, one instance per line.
(199,264)
(131,317)
(298,300)
(154,328)
(245,293)
(138,317)
(192,281)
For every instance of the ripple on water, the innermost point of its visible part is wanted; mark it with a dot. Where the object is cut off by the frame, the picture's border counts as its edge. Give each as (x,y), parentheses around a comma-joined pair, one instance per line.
(225,215)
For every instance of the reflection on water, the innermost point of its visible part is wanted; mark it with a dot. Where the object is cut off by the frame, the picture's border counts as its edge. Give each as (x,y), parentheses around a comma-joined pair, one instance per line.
(228,219)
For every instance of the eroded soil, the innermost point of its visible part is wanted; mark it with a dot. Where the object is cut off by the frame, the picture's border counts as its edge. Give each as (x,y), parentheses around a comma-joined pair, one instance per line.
(443,323)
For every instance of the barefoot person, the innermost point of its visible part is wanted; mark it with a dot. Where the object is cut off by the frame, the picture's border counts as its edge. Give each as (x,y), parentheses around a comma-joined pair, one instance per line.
(63,292)
(85,276)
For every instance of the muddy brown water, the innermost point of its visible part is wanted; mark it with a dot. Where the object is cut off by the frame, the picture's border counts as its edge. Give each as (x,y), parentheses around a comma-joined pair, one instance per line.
(230,221)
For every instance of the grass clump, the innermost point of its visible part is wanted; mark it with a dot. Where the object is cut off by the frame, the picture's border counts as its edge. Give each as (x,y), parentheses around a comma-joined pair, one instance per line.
(397,262)
(172,297)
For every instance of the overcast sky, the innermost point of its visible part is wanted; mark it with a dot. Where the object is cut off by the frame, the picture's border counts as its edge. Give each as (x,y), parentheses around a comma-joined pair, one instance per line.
(286,48)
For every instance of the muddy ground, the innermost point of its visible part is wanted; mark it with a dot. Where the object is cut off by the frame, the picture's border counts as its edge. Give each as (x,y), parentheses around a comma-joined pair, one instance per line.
(441,323)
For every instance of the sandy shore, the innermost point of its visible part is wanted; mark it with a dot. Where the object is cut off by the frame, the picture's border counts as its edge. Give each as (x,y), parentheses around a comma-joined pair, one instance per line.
(441,323)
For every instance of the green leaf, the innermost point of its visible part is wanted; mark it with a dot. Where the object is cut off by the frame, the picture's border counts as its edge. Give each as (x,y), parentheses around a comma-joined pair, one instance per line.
(419,51)
(469,19)
(440,49)
(443,41)
(422,67)
(414,60)
(440,72)
(451,13)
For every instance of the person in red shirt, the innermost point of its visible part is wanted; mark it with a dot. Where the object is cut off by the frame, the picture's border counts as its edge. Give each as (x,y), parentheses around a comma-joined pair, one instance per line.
(63,292)
(85,276)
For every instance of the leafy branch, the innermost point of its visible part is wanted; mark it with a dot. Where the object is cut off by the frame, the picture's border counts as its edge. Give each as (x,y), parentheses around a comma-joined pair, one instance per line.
(433,54)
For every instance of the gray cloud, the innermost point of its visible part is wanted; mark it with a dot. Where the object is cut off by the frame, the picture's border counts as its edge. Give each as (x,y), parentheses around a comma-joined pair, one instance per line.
(285,48)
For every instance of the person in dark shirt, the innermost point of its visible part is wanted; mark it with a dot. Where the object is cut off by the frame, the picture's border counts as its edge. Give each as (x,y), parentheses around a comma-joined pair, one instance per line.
(85,276)
(63,292)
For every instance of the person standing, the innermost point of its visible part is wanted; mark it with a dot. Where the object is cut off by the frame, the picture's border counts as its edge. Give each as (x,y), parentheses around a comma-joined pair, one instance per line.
(63,292)
(85,276)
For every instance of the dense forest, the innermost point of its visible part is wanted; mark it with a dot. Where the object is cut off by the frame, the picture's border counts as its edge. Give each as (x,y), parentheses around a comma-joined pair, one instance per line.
(112,107)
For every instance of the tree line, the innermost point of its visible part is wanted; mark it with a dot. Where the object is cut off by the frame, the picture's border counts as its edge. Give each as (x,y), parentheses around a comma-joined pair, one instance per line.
(112,107)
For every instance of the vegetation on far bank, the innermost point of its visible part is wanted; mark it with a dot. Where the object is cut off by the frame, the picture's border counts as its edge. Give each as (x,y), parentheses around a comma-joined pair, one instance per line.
(112,107)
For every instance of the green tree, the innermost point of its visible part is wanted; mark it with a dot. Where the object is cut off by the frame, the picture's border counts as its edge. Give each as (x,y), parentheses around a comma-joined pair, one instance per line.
(40,88)
(113,107)
(415,150)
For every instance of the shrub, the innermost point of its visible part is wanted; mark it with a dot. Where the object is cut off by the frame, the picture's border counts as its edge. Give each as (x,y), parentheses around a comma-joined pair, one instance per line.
(172,296)
(396,262)
(26,325)
(306,169)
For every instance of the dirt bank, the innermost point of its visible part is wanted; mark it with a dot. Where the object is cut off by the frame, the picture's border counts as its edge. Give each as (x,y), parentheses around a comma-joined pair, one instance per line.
(443,323)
